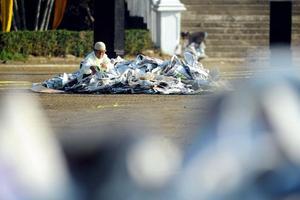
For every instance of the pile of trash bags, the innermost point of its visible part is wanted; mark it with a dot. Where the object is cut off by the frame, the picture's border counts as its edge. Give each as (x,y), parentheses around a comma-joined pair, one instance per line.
(143,75)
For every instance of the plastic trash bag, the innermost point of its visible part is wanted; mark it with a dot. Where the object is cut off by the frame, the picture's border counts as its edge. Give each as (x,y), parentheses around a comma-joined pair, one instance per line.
(142,75)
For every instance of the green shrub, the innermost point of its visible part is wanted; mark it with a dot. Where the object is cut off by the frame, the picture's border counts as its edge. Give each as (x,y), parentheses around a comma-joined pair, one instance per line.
(19,45)
(136,41)
(11,56)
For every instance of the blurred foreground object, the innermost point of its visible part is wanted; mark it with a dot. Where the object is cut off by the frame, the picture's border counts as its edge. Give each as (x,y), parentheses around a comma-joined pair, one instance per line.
(122,166)
(249,147)
(31,164)
(108,163)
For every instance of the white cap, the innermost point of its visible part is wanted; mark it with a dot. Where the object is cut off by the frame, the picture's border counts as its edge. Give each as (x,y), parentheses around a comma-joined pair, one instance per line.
(100,46)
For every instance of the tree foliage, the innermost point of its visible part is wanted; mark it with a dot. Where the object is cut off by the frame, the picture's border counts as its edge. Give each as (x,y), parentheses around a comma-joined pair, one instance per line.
(32,14)
(38,15)
(79,15)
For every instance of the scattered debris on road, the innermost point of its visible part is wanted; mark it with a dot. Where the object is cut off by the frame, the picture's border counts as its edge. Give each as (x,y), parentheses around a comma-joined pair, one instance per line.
(143,75)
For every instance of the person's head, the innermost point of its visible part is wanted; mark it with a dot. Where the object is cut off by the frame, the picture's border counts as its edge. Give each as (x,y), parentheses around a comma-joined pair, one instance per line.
(99,49)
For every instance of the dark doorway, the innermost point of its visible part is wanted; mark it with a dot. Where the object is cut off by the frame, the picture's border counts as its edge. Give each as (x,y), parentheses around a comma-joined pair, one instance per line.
(109,25)
(280,22)
(280,32)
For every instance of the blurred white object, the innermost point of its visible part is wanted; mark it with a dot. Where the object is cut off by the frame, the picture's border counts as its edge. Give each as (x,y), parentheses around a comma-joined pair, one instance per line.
(29,149)
(250,146)
(153,162)
(284,116)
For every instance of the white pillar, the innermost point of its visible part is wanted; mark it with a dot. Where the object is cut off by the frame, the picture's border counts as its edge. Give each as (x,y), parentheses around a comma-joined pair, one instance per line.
(153,26)
(168,22)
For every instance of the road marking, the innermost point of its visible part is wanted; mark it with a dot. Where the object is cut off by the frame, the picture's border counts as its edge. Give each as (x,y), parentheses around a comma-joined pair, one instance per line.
(14,83)
(40,66)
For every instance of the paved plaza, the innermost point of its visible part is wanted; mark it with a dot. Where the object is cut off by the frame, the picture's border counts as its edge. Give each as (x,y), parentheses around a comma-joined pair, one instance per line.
(172,116)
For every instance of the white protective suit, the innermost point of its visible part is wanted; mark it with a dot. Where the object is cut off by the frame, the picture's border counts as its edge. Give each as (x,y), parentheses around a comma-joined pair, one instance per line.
(92,60)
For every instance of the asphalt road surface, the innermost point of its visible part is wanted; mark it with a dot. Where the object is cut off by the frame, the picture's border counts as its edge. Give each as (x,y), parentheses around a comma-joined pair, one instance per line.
(175,117)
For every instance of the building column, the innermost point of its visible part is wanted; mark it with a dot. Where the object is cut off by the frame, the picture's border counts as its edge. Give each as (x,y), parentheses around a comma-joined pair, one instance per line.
(109,25)
(168,24)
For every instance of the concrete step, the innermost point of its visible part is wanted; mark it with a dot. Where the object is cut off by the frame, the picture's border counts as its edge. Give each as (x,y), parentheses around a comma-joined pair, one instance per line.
(213,42)
(247,37)
(215,2)
(296,36)
(263,30)
(225,18)
(296,18)
(296,39)
(206,24)
(241,54)
(296,27)
(296,51)
(230,12)
(229,7)
(248,55)
(296,8)
(223,63)
(261,52)
(237,29)
(295,23)
(295,44)
(236,48)
(235,9)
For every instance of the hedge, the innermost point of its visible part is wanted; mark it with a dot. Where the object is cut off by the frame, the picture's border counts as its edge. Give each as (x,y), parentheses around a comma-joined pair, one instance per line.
(20,44)
(137,40)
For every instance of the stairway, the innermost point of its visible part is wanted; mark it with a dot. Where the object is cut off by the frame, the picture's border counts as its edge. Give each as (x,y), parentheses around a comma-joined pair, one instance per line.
(238,30)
